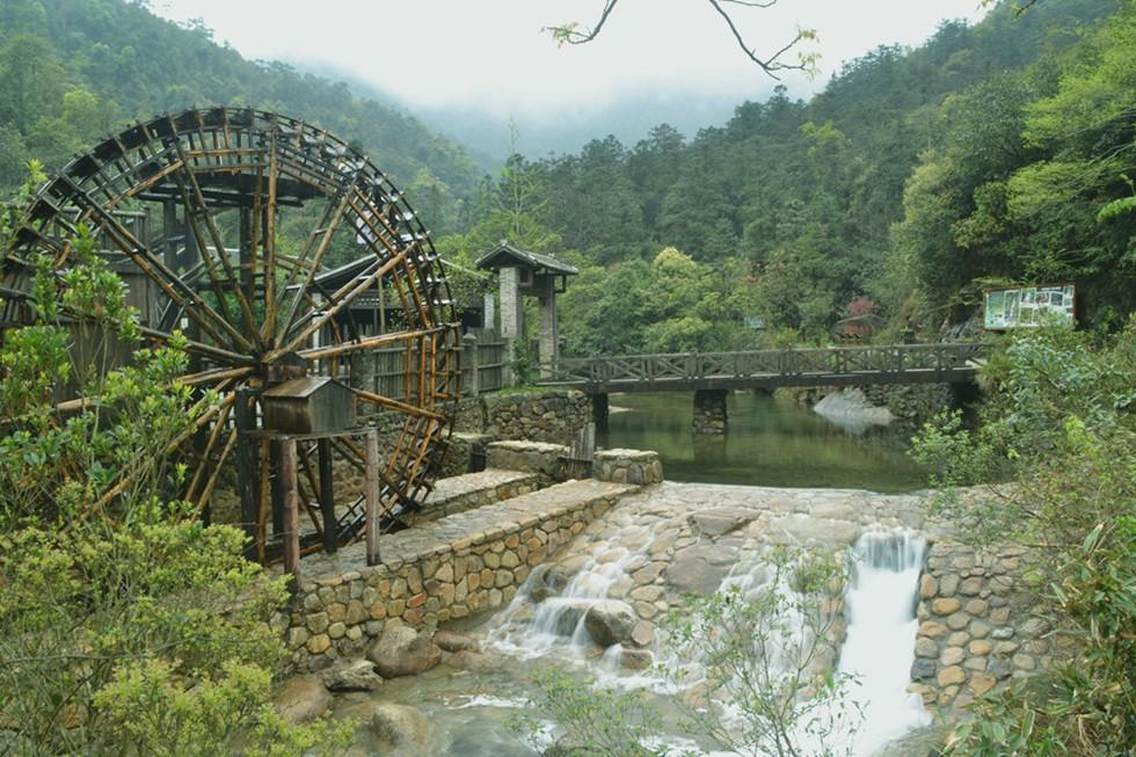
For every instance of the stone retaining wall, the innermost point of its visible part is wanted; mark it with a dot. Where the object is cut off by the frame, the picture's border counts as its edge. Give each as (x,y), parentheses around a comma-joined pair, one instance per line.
(541,458)
(544,416)
(452,568)
(978,628)
(912,404)
(627,466)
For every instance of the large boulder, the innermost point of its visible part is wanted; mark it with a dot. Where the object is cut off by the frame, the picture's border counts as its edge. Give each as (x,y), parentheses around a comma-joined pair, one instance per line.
(402,651)
(302,699)
(402,726)
(455,642)
(352,675)
(467,659)
(610,621)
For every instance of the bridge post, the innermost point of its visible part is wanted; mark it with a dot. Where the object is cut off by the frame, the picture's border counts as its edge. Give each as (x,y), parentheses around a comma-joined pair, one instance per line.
(710,412)
(600,412)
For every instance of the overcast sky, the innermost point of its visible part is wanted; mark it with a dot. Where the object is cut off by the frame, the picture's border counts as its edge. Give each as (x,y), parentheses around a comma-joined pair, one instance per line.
(492,55)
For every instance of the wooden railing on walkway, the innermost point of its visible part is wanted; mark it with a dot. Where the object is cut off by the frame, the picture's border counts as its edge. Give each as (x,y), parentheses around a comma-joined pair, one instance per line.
(876,364)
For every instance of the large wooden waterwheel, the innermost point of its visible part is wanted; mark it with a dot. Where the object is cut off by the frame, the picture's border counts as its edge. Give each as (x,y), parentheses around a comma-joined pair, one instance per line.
(228,185)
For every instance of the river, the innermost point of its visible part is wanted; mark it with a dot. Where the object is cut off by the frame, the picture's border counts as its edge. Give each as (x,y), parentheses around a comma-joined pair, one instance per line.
(771,442)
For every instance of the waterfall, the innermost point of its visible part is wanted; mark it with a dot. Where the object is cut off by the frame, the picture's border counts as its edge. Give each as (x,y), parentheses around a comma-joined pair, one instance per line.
(879,607)
(880,610)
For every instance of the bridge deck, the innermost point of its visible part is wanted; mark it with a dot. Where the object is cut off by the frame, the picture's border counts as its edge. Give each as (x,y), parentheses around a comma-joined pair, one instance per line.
(836,366)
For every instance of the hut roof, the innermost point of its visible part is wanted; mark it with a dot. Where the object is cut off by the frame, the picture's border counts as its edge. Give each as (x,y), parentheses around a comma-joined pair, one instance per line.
(505,254)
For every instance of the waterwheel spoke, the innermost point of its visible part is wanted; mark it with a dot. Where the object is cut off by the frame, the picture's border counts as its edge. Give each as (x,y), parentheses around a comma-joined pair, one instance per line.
(217,467)
(368,343)
(214,375)
(268,328)
(206,464)
(197,210)
(324,233)
(217,354)
(170,283)
(393,404)
(340,299)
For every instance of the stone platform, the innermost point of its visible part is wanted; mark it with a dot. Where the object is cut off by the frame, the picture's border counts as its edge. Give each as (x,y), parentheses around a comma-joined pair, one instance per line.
(471,490)
(452,567)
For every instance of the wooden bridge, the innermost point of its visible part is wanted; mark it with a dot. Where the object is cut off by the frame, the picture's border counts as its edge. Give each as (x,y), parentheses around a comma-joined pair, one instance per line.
(769,369)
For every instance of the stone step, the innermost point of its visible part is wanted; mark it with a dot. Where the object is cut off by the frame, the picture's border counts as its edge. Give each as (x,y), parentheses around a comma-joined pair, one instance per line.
(472,490)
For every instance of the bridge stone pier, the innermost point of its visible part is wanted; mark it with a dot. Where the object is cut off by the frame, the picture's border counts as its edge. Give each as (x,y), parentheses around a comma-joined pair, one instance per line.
(710,417)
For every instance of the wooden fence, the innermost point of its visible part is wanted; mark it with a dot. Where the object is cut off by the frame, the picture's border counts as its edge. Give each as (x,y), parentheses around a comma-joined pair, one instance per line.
(482,362)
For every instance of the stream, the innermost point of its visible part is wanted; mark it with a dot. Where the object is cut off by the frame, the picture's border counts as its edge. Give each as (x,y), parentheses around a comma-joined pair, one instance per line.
(626,558)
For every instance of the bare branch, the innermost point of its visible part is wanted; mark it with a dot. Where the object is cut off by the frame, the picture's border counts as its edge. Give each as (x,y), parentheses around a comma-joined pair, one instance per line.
(771,64)
(566,34)
(569,34)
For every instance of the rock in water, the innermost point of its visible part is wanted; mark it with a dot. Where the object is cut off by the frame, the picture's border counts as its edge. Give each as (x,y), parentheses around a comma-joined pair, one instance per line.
(635,659)
(546,581)
(643,634)
(401,726)
(402,651)
(302,699)
(469,660)
(721,521)
(609,621)
(353,675)
(455,642)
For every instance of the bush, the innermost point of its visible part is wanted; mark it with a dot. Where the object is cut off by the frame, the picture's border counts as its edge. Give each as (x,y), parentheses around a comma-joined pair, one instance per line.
(126,626)
(1056,454)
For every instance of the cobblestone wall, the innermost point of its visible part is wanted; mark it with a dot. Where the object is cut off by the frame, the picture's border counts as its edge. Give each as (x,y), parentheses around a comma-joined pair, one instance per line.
(339,614)
(978,628)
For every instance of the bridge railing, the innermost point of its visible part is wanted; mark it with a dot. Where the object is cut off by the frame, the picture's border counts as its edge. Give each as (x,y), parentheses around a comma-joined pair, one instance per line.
(820,361)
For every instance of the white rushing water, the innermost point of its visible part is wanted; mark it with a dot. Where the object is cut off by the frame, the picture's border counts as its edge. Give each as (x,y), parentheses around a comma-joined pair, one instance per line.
(877,651)
(880,645)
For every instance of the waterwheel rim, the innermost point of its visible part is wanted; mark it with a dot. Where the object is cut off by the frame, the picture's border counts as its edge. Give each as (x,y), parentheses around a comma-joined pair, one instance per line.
(253,319)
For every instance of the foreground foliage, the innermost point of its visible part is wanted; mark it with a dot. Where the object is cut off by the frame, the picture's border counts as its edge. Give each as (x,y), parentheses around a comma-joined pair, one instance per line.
(1060,431)
(126,626)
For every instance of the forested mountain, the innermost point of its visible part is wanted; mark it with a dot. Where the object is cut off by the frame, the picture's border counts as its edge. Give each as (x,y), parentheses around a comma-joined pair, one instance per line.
(913,178)
(73,70)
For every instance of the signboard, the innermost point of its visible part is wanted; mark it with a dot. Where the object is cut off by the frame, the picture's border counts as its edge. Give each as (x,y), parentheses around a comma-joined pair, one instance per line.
(1029,307)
